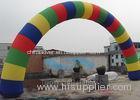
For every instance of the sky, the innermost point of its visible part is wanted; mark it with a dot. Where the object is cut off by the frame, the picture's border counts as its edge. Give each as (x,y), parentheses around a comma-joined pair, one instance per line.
(76,35)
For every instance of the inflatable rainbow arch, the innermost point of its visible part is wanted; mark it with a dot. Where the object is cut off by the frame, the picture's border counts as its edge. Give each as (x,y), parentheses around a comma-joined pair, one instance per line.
(13,73)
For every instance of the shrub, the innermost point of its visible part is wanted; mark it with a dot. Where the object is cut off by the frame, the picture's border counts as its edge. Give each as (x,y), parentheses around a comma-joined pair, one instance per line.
(101,70)
(77,70)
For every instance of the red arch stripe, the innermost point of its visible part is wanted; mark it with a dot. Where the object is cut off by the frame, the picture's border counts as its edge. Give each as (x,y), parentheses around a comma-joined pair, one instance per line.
(61,12)
(23,43)
(129,52)
(96,13)
(114,26)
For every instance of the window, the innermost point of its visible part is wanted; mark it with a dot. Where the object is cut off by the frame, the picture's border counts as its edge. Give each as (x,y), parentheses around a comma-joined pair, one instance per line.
(116,56)
(108,50)
(1,60)
(112,60)
(116,48)
(8,47)
(122,64)
(117,64)
(121,56)
(138,45)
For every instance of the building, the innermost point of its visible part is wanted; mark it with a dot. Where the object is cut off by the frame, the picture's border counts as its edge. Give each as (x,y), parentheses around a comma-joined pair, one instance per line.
(115,58)
(4,48)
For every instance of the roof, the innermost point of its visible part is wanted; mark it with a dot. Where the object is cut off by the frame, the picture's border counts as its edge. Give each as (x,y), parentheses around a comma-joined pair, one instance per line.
(54,53)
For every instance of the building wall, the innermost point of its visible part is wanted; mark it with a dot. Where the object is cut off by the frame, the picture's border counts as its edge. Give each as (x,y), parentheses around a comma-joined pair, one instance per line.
(67,63)
(112,47)
(117,60)
(35,64)
(4,48)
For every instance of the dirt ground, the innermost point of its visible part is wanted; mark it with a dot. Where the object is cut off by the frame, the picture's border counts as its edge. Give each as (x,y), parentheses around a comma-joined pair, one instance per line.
(131,93)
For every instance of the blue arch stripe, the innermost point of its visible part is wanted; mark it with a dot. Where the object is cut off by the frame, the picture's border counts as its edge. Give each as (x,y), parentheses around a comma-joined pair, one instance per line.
(135,75)
(11,88)
(71,9)
(126,44)
(31,32)
(109,20)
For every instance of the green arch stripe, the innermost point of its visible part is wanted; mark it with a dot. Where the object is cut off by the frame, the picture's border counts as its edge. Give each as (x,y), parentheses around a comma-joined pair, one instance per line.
(17,57)
(79,9)
(119,31)
(132,59)
(102,17)
(51,16)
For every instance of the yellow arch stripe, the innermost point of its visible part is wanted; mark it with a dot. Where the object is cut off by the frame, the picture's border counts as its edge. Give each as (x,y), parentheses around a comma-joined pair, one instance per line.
(124,37)
(133,67)
(13,72)
(41,23)
(88,10)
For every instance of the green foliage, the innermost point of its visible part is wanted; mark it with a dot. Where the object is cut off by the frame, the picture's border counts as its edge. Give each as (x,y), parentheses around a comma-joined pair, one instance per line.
(101,70)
